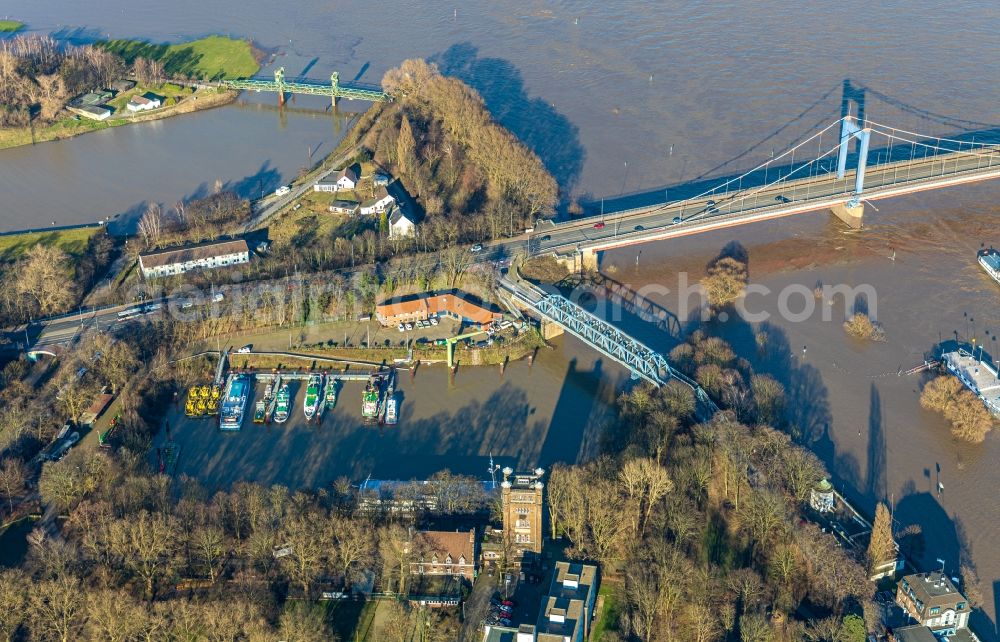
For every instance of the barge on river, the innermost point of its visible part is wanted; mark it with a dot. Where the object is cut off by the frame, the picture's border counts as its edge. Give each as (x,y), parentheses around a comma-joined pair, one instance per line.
(989,260)
(977,375)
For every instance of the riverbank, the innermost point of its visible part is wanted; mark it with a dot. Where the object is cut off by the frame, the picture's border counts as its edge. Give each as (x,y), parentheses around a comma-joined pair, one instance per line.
(200,100)
(10,26)
(71,239)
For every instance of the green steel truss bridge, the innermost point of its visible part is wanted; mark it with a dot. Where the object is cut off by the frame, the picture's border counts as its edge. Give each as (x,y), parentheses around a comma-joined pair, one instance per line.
(283,86)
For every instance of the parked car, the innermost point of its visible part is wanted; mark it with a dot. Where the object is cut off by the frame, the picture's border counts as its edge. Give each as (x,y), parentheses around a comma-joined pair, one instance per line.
(409,326)
(401,327)
(218,296)
(478,247)
(245,349)
(281,191)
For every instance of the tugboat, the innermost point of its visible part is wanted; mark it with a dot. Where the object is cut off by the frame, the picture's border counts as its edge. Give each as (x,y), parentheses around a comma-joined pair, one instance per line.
(281,410)
(260,408)
(369,400)
(990,262)
(311,401)
(330,394)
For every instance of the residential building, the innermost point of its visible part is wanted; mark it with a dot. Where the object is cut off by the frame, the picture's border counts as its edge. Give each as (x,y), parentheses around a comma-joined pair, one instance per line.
(338,206)
(144,102)
(920,633)
(122,85)
(380,201)
(325,186)
(456,305)
(93,112)
(346,178)
(93,98)
(444,553)
(566,612)
(178,260)
(401,225)
(96,410)
(522,507)
(577,582)
(523,633)
(932,600)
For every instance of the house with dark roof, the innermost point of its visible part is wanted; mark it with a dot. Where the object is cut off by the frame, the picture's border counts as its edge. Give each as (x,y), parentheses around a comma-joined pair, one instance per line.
(343,206)
(401,225)
(933,601)
(380,201)
(346,178)
(201,256)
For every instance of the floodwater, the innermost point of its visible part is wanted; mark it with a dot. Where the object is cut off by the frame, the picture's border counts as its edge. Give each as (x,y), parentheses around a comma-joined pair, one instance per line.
(535,414)
(848,398)
(627,97)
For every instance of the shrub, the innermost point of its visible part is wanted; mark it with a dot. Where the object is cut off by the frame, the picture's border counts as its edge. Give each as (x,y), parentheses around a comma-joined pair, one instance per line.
(970,420)
(726,280)
(861,326)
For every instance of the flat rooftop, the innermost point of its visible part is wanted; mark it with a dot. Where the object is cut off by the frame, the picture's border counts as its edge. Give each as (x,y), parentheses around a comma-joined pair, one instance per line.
(975,373)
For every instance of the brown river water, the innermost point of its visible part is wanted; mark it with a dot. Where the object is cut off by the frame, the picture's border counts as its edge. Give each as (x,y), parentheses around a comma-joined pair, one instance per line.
(622,98)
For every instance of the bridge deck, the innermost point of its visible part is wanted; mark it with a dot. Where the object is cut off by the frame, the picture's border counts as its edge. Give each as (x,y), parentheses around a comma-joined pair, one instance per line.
(738,207)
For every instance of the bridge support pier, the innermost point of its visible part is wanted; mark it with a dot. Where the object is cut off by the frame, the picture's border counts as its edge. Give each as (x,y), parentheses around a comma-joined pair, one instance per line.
(850,212)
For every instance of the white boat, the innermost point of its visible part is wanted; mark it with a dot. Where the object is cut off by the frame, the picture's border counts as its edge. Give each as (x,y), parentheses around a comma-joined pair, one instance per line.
(282,403)
(390,412)
(234,403)
(990,262)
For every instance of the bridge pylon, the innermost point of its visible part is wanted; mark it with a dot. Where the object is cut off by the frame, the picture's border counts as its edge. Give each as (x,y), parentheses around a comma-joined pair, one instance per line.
(853,210)
(279,80)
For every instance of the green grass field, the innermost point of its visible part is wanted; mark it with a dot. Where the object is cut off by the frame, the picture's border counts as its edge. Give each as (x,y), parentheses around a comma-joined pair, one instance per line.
(608,620)
(73,242)
(10,26)
(211,58)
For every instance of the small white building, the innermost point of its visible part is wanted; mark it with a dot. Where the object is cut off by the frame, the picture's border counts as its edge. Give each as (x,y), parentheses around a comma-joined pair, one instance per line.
(325,186)
(380,202)
(338,206)
(144,102)
(400,225)
(213,254)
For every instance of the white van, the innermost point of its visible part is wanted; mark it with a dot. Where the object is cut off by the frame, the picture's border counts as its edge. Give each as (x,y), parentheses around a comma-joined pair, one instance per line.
(281,191)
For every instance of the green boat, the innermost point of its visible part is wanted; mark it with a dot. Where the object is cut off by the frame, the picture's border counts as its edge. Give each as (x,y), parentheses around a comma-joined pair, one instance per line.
(369,401)
(311,402)
(330,394)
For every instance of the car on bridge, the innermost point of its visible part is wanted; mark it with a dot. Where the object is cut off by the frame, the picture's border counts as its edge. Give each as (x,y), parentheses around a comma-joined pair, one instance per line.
(599,225)
(781,198)
(639,228)
(677,220)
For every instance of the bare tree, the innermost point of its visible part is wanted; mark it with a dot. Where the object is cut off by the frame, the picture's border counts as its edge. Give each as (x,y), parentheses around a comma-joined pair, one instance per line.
(56,607)
(13,599)
(151,224)
(145,543)
(13,475)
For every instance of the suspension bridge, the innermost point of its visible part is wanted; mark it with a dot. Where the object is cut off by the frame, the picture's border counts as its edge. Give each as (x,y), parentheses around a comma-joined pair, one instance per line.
(283,86)
(820,172)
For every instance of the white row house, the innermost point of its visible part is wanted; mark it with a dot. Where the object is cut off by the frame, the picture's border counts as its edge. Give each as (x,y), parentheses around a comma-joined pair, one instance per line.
(203,256)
